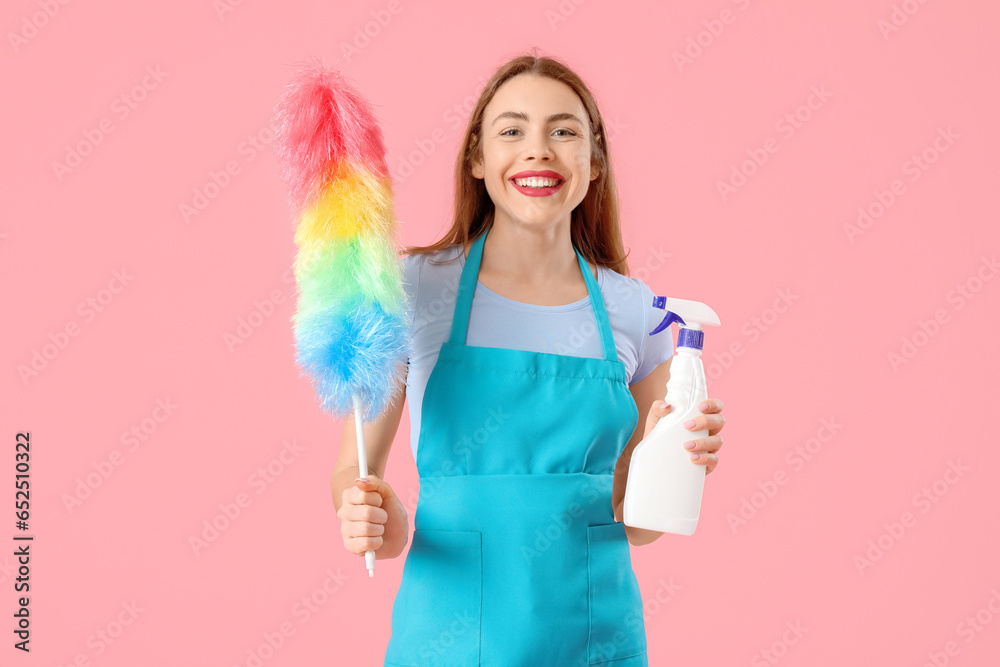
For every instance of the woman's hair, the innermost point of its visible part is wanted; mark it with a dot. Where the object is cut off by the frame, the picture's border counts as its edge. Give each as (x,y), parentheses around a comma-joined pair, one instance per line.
(594,227)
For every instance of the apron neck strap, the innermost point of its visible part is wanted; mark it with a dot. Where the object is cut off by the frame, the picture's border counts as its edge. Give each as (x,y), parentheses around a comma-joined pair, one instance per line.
(467,288)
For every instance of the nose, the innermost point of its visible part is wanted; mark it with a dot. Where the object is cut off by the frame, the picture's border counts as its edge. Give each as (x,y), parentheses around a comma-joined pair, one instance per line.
(539,148)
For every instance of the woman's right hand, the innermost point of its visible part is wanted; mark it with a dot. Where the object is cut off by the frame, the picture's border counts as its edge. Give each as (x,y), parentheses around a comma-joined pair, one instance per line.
(373,518)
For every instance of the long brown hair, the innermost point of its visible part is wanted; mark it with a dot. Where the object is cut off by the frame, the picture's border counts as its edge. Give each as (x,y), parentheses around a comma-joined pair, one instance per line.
(594,227)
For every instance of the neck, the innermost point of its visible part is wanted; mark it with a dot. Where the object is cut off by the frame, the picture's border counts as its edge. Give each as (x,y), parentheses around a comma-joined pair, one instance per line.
(541,256)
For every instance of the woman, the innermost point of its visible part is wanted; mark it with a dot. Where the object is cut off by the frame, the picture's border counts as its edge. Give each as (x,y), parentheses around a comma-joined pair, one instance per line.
(519,556)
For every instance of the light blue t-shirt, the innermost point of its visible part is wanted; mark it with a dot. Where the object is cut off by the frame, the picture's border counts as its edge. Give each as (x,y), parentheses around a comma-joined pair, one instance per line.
(496,321)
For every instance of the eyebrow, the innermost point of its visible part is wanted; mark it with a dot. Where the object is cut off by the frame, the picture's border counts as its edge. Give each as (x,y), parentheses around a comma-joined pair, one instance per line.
(520,115)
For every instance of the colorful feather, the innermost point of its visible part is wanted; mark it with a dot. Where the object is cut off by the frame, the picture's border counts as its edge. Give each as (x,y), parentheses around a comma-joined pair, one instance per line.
(350,325)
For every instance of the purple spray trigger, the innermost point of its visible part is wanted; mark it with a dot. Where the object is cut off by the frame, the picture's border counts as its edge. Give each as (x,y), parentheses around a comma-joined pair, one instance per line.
(661,303)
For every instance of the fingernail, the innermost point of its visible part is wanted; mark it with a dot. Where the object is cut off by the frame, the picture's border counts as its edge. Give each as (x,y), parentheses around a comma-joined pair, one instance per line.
(688,445)
(694,457)
(664,405)
(703,406)
(361,479)
(689,423)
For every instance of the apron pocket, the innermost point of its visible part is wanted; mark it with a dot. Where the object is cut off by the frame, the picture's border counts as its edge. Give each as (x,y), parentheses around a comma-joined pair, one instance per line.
(616,624)
(437,614)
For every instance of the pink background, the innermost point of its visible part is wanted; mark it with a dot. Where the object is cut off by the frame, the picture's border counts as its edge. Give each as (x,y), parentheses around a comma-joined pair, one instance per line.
(725,596)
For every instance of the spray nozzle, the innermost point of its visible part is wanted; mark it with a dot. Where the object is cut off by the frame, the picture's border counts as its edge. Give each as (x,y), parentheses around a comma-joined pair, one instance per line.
(661,302)
(690,317)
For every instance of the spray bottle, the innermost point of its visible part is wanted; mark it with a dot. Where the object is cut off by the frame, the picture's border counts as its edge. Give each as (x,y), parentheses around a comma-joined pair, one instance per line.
(664,487)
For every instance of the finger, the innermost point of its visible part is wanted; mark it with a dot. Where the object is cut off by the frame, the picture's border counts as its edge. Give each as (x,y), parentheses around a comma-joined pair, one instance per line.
(715,423)
(361,529)
(712,422)
(359,545)
(657,410)
(709,444)
(363,514)
(705,459)
(368,498)
(711,405)
(361,536)
(356,496)
(373,487)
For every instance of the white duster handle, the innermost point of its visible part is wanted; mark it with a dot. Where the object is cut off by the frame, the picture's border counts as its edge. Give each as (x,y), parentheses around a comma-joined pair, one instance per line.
(363,468)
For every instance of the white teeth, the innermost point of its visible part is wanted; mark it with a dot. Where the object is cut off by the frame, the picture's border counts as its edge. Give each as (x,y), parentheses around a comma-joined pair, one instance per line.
(537,182)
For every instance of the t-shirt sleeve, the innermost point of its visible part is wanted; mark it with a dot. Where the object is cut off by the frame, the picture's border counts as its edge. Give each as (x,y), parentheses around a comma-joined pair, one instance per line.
(653,350)
(410,267)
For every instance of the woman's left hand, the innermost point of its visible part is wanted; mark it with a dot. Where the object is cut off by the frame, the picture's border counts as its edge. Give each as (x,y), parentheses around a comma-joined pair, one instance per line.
(703,450)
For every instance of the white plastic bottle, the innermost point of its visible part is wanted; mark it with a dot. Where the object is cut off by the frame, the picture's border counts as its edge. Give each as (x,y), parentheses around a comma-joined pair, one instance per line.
(664,487)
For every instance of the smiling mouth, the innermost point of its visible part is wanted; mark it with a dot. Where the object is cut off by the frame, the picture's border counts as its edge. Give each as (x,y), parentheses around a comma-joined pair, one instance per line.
(537,187)
(537,181)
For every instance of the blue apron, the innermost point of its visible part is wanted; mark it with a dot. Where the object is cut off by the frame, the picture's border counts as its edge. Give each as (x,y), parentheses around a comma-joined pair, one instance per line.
(516,558)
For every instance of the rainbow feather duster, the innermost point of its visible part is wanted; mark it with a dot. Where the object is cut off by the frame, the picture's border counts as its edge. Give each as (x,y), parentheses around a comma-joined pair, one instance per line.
(350,325)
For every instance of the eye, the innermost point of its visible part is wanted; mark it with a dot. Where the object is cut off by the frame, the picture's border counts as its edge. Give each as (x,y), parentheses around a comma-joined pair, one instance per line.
(506,132)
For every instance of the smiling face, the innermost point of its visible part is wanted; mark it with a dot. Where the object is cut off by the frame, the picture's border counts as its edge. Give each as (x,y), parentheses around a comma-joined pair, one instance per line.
(535,126)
